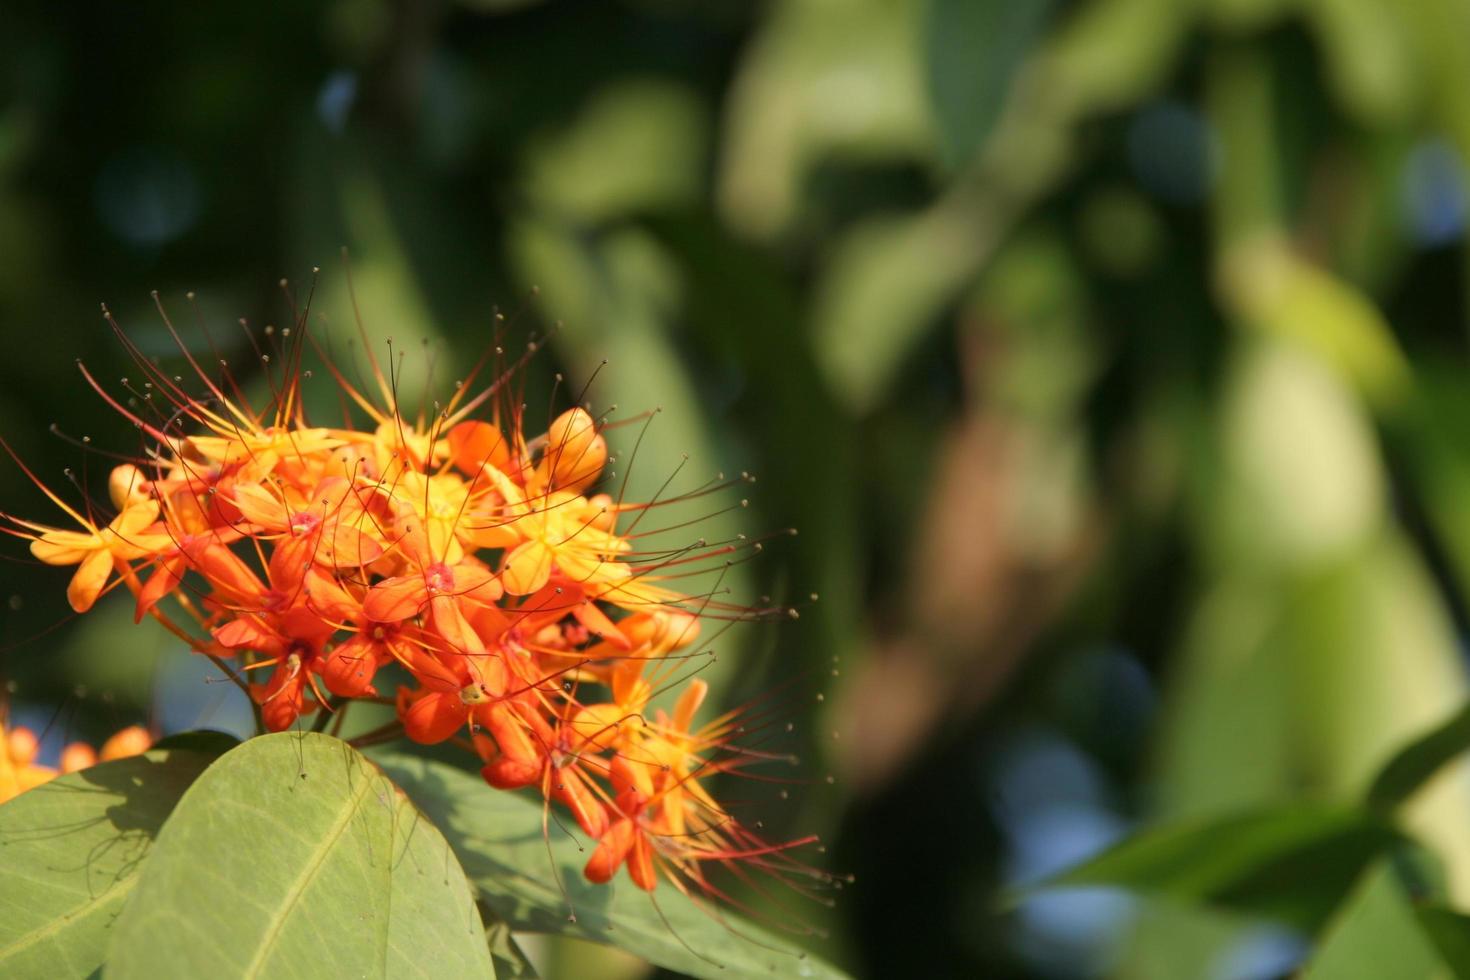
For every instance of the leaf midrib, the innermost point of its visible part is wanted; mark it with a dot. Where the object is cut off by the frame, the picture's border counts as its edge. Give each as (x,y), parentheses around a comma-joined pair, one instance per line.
(66,919)
(304,879)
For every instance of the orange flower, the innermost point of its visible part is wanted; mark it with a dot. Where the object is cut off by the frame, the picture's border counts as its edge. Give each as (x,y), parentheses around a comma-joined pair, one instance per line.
(18,769)
(475,556)
(19,747)
(96,551)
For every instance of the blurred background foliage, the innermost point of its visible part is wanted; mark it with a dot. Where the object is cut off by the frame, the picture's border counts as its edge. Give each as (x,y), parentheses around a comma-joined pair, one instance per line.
(1110,356)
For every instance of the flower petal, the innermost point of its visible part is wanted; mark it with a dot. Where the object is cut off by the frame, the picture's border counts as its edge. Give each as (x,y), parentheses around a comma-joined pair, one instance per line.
(89,581)
(434,717)
(395,599)
(526,568)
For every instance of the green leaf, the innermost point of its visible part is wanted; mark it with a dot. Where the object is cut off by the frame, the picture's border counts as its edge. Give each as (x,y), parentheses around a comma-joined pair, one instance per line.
(1283,295)
(291,852)
(498,837)
(70,853)
(1369,58)
(636,145)
(1449,931)
(974,51)
(813,88)
(1413,765)
(1377,934)
(1289,863)
(887,282)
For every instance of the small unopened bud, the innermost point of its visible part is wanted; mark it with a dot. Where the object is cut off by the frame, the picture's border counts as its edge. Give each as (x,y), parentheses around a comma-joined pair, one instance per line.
(77,755)
(575,452)
(127,485)
(133,740)
(23,746)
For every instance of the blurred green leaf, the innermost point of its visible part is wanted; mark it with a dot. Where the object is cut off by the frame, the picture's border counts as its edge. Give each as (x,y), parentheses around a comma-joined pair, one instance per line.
(886,283)
(1230,677)
(1113,52)
(115,657)
(812,86)
(1376,934)
(536,886)
(1372,64)
(975,49)
(1283,294)
(1303,486)
(1449,931)
(1248,197)
(1171,940)
(70,854)
(1032,300)
(1290,862)
(292,851)
(368,296)
(1240,15)
(1430,442)
(1441,45)
(637,145)
(1416,763)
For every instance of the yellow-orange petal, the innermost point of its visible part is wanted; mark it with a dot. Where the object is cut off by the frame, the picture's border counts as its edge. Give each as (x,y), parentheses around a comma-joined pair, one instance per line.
(248,633)
(581,565)
(689,703)
(600,727)
(261,507)
(349,547)
(89,581)
(472,581)
(526,569)
(134,519)
(573,449)
(424,666)
(472,444)
(448,620)
(126,484)
(487,532)
(64,547)
(395,599)
(635,775)
(597,622)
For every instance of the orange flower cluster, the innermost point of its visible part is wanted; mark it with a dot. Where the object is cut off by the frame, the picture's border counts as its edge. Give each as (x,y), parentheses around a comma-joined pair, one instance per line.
(456,552)
(19,770)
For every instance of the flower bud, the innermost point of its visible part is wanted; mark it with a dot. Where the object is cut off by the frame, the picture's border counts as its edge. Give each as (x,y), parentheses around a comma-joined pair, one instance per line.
(133,740)
(77,755)
(127,485)
(23,746)
(575,452)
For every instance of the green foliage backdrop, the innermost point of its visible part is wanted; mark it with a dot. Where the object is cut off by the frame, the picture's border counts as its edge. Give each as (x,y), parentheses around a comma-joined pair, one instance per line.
(1110,356)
